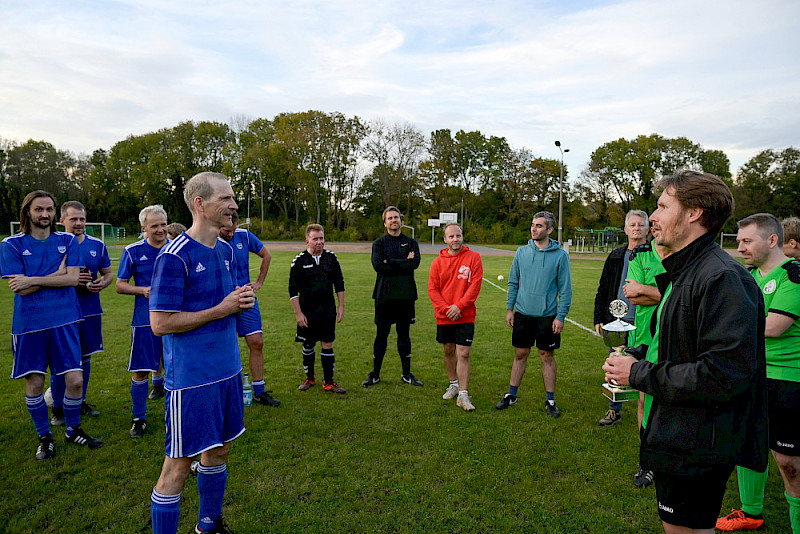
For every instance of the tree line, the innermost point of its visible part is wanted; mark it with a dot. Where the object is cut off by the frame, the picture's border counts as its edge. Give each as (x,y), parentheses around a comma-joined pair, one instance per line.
(342,172)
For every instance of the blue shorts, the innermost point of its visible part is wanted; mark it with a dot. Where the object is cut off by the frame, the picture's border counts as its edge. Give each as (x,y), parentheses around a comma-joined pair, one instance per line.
(205,417)
(59,348)
(91,332)
(249,322)
(146,350)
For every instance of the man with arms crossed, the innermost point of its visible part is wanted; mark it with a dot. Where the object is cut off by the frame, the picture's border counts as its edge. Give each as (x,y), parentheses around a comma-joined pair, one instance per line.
(395,257)
(610,288)
(314,276)
(95,276)
(708,387)
(539,298)
(137,262)
(248,323)
(453,287)
(761,242)
(42,267)
(193,305)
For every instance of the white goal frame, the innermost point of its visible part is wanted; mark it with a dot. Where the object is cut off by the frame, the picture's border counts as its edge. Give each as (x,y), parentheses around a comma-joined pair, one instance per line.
(15,229)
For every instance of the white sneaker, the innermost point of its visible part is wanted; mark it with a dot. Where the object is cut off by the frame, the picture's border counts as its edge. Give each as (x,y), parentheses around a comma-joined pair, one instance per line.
(451,392)
(464,402)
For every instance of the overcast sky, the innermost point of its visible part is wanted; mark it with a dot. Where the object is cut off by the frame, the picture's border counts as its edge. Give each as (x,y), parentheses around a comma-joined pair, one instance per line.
(726,74)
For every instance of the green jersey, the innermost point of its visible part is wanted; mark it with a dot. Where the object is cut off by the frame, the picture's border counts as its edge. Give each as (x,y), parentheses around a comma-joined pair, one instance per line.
(644,266)
(781,290)
(652,354)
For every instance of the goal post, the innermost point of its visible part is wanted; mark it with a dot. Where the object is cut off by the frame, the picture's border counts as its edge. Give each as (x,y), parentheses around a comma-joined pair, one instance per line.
(101,230)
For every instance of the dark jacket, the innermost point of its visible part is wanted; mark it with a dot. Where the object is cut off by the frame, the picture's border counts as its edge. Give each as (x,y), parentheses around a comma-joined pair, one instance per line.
(709,385)
(315,283)
(395,280)
(609,285)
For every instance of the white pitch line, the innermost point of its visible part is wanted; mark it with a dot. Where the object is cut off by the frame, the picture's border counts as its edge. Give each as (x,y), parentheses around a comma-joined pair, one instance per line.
(567,319)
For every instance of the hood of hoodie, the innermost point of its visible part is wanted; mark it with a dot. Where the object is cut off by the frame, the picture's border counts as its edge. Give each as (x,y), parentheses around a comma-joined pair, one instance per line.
(445,254)
(552,245)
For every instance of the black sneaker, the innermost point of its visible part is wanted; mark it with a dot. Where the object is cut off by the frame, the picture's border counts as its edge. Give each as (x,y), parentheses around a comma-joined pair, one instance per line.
(79,437)
(219,528)
(139,427)
(411,379)
(371,380)
(88,409)
(642,478)
(47,447)
(57,417)
(157,392)
(551,409)
(508,400)
(266,399)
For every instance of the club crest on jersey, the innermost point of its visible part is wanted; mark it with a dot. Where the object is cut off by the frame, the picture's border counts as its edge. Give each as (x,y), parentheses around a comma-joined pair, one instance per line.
(62,250)
(464,273)
(771,286)
(199,268)
(239,246)
(93,253)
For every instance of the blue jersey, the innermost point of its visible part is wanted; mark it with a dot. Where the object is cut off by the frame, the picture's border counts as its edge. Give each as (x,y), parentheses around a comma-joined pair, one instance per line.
(137,262)
(94,256)
(22,254)
(244,242)
(191,277)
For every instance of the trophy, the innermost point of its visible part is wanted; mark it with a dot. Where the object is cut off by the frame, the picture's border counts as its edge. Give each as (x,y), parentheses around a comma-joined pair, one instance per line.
(615,336)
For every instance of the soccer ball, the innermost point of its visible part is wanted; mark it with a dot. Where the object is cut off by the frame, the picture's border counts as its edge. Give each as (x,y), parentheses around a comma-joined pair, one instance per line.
(48,398)
(500,278)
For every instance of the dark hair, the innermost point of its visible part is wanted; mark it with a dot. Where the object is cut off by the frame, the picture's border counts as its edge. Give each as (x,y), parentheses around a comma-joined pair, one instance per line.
(25,210)
(767,225)
(702,190)
(791,229)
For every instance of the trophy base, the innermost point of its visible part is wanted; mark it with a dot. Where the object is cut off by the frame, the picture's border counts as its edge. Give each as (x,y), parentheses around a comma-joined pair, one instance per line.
(619,393)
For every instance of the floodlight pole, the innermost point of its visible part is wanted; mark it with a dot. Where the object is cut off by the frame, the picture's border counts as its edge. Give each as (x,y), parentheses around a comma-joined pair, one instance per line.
(561,192)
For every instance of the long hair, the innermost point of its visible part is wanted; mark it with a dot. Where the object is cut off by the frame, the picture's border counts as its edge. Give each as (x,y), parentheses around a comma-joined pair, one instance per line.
(25,211)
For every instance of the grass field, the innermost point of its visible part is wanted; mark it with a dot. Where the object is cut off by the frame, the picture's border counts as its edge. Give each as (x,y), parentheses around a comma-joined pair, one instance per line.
(393,458)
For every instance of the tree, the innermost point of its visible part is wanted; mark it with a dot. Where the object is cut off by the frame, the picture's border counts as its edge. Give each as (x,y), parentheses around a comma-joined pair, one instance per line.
(769,182)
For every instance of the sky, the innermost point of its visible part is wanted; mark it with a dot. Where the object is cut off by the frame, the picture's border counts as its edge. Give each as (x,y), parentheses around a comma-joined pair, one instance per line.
(84,75)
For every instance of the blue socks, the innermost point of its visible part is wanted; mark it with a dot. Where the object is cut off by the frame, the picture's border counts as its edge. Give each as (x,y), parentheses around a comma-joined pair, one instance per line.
(86,365)
(165,512)
(258,388)
(58,388)
(512,390)
(38,410)
(72,413)
(158,380)
(139,398)
(211,482)
(550,396)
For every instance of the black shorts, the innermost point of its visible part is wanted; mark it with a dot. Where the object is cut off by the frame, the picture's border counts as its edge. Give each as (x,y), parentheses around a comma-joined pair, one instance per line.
(318,329)
(691,501)
(460,334)
(395,311)
(784,411)
(529,331)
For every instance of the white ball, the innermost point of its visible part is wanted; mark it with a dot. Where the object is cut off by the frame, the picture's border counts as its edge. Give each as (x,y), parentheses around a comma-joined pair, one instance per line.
(500,278)
(48,397)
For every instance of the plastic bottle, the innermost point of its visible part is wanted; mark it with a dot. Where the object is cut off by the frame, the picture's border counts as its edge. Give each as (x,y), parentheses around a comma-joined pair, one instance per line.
(247,390)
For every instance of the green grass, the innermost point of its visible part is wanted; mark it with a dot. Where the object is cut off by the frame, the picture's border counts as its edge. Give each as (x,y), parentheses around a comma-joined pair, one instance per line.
(389,459)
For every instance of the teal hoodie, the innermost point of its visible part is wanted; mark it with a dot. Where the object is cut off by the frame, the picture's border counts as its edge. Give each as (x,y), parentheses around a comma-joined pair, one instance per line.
(539,284)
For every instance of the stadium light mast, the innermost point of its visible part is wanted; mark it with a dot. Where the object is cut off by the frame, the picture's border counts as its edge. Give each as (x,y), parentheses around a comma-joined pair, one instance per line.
(561,191)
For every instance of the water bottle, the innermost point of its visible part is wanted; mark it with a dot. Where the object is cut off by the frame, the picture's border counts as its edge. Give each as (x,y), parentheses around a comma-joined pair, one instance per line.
(247,390)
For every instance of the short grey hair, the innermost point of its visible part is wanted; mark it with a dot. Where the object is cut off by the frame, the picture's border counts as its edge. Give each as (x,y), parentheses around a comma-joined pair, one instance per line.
(637,213)
(199,185)
(548,216)
(766,223)
(155,208)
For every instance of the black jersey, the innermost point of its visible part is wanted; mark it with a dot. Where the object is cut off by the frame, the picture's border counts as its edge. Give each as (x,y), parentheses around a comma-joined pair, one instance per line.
(315,282)
(395,279)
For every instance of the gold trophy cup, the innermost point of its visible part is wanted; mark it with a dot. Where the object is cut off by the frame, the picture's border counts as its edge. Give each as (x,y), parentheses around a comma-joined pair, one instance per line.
(615,336)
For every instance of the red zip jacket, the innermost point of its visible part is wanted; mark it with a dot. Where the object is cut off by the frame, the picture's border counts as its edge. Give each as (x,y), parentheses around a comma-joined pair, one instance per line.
(455,280)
